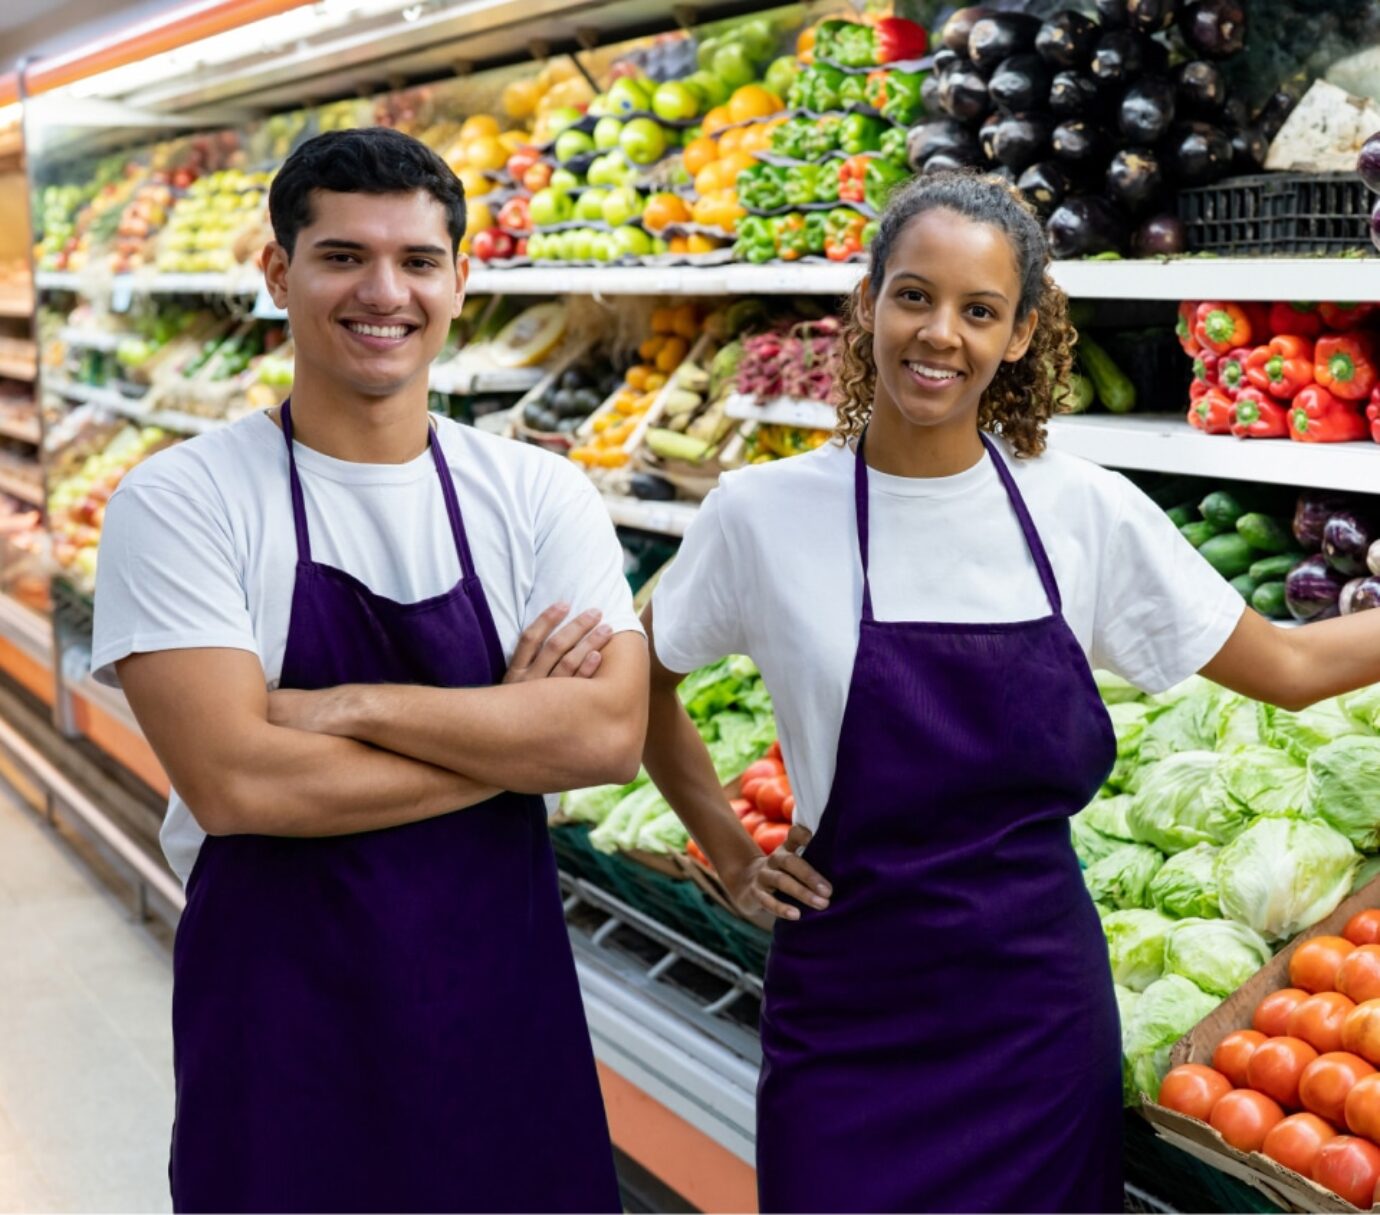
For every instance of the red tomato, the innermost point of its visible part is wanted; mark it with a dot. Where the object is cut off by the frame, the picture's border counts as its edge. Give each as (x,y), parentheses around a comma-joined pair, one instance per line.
(1272,1013)
(752,820)
(1359,974)
(1325,1083)
(772,796)
(740,806)
(1234,1052)
(788,809)
(763,769)
(1319,1020)
(1361,1031)
(1363,1107)
(1314,964)
(752,788)
(1193,1089)
(1350,1167)
(1276,1066)
(694,850)
(1364,927)
(770,836)
(1244,1117)
(774,751)
(1296,1142)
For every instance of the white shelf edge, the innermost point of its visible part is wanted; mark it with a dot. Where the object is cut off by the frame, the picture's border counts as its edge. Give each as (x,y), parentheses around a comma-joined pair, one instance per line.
(91,339)
(783,411)
(667,518)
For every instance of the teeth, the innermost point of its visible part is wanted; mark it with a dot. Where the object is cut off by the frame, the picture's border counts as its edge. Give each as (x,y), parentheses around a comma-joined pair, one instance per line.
(379,331)
(932,373)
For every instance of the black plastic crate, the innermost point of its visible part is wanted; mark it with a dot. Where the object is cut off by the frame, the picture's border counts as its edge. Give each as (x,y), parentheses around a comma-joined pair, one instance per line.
(1318,213)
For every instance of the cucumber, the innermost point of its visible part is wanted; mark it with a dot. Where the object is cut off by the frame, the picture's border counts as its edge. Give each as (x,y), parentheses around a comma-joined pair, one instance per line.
(1197,534)
(1180,516)
(1222,510)
(1229,554)
(1268,568)
(1262,532)
(1268,600)
(1244,585)
(1113,387)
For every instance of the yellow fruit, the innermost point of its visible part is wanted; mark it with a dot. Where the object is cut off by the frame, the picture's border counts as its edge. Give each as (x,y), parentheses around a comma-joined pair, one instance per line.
(699,243)
(753,101)
(555,71)
(649,349)
(686,320)
(520,98)
(486,152)
(663,320)
(476,185)
(679,244)
(478,125)
(636,377)
(715,121)
(699,153)
(513,140)
(478,217)
(655,382)
(732,140)
(672,354)
(529,337)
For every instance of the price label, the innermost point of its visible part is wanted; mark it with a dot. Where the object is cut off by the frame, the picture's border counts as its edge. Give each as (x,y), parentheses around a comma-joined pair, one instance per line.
(122,293)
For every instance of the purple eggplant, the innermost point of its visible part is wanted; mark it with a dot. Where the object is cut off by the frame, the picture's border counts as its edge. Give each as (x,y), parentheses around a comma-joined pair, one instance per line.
(1083,227)
(1375,224)
(1199,154)
(929,93)
(1314,508)
(1019,140)
(1134,178)
(987,136)
(1368,163)
(963,95)
(1312,590)
(1112,13)
(1119,58)
(999,37)
(1348,596)
(1202,87)
(1072,94)
(954,35)
(1045,186)
(1248,150)
(1373,558)
(1067,39)
(1367,595)
(1346,540)
(1236,114)
(1151,16)
(1159,236)
(1081,143)
(1147,110)
(946,61)
(1215,29)
(1020,83)
(947,136)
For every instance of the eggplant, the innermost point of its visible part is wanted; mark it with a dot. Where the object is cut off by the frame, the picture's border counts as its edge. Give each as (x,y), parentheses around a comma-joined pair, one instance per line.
(944,162)
(1067,39)
(1202,89)
(945,135)
(1346,540)
(1366,595)
(999,37)
(1347,599)
(1112,13)
(1375,224)
(1199,154)
(987,136)
(1082,227)
(1160,236)
(963,95)
(651,488)
(1080,142)
(1119,58)
(929,92)
(1368,163)
(1236,114)
(1312,590)
(1072,94)
(1135,178)
(1214,28)
(1311,513)
(1151,16)
(1020,83)
(954,35)
(946,61)
(1045,186)
(1147,110)
(1248,150)
(1373,558)
(1019,140)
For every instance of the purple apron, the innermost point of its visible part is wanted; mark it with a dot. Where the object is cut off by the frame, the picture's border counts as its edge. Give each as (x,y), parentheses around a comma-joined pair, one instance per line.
(387,1021)
(944,1036)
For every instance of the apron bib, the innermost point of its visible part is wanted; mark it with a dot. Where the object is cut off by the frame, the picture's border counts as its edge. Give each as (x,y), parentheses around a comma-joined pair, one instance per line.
(387,1021)
(944,1037)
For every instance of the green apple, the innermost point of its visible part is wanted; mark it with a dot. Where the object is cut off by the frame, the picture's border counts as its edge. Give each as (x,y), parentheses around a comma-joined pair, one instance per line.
(704,53)
(590,206)
(602,247)
(579,244)
(536,246)
(598,107)
(631,242)
(643,141)
(550,207)
(564,181)
(733,65)
(659,246)
(628,95)
(781,75)
(562,117)
(607,170)
(756,37)
(606,133)
(557,246)
(675,101)
(622,205)
(709,86)
(570,144)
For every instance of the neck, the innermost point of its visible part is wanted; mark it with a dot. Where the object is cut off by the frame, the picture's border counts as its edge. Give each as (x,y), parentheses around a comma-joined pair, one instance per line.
(900,448)
(360,429)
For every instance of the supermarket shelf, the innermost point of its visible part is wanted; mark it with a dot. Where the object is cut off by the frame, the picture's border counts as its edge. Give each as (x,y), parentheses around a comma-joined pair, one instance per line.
(668,518)
(134,409)
(18,487)
(10,307)
(783,411)
(26,430)
(89,394)
(18,369)
(91,339)
(26,629)
(1166,443)
(499,379)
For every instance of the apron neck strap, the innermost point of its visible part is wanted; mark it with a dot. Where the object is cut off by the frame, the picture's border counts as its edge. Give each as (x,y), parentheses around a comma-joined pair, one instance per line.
(1028,530)
(299,505)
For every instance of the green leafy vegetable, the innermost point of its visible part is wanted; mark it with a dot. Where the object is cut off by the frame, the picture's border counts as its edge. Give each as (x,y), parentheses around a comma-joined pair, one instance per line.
(1303,733)
(1121,878)
(1262,780)
(1181,802)
(1187,885)
(1217,955)
(1343,781)
(1135,944)
(1165,1012)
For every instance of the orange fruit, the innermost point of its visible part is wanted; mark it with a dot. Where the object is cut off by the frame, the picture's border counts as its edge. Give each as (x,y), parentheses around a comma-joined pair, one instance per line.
(732,140)
(736,162)
(680,244)
(715,121)
(753,101)
(756,138)
(698,243)
(699,153)
(662,210)
(713,178)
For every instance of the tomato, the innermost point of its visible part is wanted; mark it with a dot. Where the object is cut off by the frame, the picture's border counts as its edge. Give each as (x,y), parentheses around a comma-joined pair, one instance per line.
(774,751)
(1363,1107)
(752,788)
(770,836)
(1272,1013)
(1350,1167)
(740,806)
(1193,1089)
(1326,1081)
(752,820)
(1296,1142)
(763,769)
(1364,927)
(1359,974)
(1244,1117)
(1361,1031)
(1319,1020)
(788,809)
(1234,1052)
(772,796)
(1276,1066)
(1314,964)
(694,850)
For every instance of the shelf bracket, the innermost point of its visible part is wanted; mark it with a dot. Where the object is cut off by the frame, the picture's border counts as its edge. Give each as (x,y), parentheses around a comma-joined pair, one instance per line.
(685,16)
(588,40)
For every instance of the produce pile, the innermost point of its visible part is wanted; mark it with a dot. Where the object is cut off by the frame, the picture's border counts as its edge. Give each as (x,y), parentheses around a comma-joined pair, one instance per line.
(1301,371)
(1300,1085)
(798,360)
(1368,166)
(1226,828)
(765,805)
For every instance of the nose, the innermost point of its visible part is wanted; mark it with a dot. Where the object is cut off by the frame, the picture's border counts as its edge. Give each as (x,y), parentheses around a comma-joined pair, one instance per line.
(383,287)
(939,329)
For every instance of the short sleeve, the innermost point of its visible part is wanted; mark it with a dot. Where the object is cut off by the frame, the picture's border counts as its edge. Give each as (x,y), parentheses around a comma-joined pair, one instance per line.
(578,558)
(1162,611)
(695,620)
(166,579)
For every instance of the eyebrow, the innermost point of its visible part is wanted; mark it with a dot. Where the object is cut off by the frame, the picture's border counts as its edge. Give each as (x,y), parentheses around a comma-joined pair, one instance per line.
(355,247)
(920,278)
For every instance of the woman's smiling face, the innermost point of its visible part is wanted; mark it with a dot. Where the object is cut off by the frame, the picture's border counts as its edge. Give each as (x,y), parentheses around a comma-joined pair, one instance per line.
(945,318)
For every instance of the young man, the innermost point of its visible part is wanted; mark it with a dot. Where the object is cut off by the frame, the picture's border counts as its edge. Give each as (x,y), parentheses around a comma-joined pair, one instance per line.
(329,622)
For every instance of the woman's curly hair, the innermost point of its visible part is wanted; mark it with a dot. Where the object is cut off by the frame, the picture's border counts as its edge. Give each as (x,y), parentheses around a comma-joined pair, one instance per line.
(1023,395)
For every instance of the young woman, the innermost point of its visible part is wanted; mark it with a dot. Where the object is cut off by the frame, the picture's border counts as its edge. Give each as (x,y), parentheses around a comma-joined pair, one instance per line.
(926,600)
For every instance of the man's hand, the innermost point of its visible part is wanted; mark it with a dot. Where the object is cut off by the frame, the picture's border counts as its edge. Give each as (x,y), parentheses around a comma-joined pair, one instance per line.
(546,651)
(761,882)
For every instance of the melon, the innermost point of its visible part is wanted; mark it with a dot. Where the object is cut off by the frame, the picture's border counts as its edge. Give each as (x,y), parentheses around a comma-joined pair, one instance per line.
(529,338)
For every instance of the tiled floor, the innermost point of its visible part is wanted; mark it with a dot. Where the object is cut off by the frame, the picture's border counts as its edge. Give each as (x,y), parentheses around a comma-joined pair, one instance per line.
(86,1094)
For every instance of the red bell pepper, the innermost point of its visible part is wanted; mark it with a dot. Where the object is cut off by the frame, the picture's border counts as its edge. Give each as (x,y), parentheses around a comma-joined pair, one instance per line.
(1373,413)
(1255,415)
(1259,316)
(1320,417)
(1344,316)
(1207,369)
(895,39)
(1211,412)
(1295,316)
(843,234)
(1231,371)
(1222,327)
(1344,364)
(1283,368)
(853,179)
(1183,328)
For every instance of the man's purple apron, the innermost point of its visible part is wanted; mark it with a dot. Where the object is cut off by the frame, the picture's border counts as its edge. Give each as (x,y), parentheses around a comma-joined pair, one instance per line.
(386,1021)
(944,1036)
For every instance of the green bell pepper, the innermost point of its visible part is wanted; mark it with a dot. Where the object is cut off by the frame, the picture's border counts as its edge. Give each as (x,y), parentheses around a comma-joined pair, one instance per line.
(792,138)
(816,232)
(861,133)
(762,188)
(822,137)
(893,147)
(827,187)
(788,232)
(843,234)
(880,178)
(755,242)
(853,91)
(904,103)
(817,88)
(869,232)
(802,183)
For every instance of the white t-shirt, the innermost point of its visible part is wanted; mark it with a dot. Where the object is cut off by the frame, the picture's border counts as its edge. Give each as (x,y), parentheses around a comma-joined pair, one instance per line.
(770,568)
(198,547)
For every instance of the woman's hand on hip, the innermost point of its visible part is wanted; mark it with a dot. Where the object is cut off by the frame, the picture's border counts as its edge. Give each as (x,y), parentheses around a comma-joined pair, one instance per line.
(765,881)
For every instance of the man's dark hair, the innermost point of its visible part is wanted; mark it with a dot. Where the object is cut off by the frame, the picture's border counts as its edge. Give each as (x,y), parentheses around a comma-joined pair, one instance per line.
(371,160)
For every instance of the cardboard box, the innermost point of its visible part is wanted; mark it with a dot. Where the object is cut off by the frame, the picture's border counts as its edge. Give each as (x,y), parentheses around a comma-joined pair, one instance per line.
(1283,1187)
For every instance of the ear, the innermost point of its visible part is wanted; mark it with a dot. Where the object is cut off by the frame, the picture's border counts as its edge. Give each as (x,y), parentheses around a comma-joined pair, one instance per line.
(1021,338)
(275,263)
(864,305)
(462,276)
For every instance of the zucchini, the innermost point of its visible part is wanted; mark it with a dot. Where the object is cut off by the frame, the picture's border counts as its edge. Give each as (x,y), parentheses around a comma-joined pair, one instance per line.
(1268,600)
(1180,516)
(1222,510)
(1268,568)
(1197,534)
(1113,387)
(1244,585)
(1262,532)
(1229,554)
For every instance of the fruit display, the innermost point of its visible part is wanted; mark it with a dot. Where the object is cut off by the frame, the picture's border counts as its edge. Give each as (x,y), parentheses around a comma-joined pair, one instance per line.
(562,403)
(220,222)
(765,804)
(143,217)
